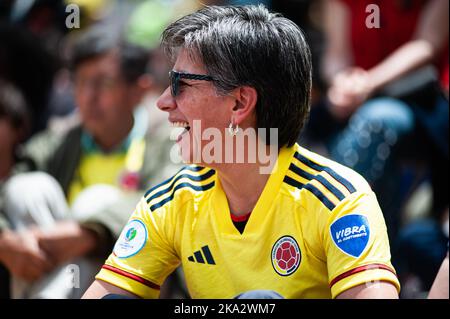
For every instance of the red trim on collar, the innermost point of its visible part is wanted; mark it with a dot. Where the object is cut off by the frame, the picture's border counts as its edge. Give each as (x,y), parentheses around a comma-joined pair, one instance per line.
(242,218)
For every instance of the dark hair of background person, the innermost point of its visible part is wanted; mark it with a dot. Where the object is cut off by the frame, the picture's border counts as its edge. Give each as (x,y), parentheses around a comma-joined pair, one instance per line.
(13,107)
(98,41)
(29,67)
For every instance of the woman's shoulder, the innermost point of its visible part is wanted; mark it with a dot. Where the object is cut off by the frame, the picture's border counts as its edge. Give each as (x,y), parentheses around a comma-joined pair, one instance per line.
(332,171)
(188,183)
(324,183)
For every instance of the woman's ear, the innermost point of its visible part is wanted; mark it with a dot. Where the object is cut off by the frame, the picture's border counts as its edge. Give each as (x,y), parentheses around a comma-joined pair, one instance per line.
(246,98)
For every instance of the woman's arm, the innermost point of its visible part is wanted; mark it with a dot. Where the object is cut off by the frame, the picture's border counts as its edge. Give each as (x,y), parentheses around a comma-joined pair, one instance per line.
(430,38)
(380,290)
(100,288)
(439,290)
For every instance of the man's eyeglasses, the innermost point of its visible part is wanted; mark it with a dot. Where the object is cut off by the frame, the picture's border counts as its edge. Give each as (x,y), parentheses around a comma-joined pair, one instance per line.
(176,76)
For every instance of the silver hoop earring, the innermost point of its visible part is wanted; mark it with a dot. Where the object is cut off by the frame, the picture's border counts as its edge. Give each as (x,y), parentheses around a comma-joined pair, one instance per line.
(233,130)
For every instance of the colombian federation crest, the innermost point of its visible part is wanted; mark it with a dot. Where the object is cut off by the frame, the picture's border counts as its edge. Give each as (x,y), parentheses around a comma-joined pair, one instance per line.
(286,256)
(131,240)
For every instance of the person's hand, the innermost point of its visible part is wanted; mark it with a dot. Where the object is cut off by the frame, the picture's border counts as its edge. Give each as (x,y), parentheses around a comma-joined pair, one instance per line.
(67,240)
(349,89)
(21,255)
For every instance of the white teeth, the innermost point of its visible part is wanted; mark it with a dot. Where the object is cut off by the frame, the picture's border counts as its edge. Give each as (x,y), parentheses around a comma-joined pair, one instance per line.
(179,124)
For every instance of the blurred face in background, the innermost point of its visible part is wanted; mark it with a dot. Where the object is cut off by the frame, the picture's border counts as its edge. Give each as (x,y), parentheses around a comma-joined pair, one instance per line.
(103,97)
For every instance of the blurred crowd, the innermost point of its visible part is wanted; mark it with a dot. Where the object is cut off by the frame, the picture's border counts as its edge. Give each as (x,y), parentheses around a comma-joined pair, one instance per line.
(81,139)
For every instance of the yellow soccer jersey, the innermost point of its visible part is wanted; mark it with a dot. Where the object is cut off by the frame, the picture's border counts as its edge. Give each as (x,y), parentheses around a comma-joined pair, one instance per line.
(315,231)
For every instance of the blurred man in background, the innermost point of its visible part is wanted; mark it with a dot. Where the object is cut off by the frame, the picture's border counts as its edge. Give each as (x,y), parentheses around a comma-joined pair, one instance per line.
(94,171)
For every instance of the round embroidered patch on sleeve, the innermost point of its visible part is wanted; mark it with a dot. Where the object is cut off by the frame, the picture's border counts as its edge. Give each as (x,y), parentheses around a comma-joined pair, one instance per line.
(131,240)
(351,234)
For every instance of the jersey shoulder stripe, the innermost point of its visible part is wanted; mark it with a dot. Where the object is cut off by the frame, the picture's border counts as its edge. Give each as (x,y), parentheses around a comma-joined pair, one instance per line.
(186,168)
(180,186)
(336,192)
(290,181)
(172,181)
(312,178)
(349,186)
(190,177)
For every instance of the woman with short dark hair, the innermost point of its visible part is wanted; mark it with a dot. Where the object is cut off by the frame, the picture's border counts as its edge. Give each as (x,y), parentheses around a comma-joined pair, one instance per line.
(255,214)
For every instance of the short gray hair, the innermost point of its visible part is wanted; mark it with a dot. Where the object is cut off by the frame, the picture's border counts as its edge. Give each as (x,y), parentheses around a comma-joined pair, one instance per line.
(250,46)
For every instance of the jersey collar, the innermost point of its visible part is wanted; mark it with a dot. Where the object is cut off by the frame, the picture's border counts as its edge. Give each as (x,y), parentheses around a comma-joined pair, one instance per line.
(221,209)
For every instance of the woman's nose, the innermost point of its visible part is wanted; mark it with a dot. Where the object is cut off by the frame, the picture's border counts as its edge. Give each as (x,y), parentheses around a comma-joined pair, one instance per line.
(166,102)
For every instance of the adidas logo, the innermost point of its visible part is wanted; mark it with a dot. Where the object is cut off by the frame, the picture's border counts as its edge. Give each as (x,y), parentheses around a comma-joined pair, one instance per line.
(198,256)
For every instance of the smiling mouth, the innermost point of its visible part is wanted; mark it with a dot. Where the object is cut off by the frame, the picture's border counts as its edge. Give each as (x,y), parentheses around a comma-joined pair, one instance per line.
(182,125)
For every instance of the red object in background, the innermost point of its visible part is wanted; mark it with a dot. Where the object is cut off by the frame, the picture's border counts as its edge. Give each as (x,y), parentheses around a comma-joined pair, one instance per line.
(130,180)
(398,20)
(444,79)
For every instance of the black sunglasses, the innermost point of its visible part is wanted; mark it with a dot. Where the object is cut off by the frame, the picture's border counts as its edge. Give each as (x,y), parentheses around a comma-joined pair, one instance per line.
(176,76)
